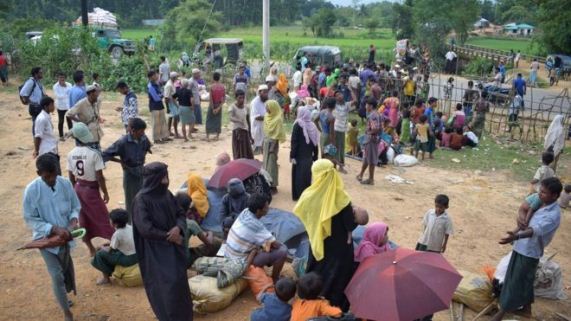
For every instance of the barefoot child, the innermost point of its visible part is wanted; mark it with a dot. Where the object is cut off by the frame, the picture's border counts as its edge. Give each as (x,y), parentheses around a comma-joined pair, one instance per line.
(121,250)
(275,306)
(352,134)
(437,227)
(309,304)
(422,130)
(543,172)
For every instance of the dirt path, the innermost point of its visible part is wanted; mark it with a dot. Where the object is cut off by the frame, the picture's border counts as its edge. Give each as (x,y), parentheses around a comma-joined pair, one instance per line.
(482,207)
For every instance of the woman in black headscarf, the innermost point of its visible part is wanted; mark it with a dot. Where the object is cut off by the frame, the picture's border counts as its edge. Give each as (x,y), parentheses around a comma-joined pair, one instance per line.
(158,225)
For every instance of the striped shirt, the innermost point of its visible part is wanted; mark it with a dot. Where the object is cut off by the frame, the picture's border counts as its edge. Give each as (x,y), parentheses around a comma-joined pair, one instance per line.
(246,234)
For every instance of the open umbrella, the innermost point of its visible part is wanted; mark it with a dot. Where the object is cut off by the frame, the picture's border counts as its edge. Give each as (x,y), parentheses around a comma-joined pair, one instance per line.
(240,168)
(402,285)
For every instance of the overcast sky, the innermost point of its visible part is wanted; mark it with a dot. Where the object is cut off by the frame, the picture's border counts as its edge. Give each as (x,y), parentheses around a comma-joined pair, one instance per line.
(350,3)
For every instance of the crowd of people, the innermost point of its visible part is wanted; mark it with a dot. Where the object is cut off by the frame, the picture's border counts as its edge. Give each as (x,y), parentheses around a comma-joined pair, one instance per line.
(156,225)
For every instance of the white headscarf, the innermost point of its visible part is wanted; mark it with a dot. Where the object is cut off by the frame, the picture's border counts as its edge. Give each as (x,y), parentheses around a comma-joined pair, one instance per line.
(555,135)
(309,129)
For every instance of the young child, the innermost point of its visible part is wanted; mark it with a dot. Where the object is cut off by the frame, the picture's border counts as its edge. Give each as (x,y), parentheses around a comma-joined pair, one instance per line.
(233,203)
(121,250)
(309,304)
(438,125)
(456,139)
(565,197)
(405,128)
(422,130)
(448,88)
(543,172)
(470,139)
(352,134)
(275,305)
(437,227)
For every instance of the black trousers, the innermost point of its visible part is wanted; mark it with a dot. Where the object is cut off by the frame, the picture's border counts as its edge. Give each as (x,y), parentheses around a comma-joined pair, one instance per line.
(61,118)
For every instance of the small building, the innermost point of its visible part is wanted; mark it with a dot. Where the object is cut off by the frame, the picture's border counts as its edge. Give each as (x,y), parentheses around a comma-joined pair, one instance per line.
(518,29)
(482,23)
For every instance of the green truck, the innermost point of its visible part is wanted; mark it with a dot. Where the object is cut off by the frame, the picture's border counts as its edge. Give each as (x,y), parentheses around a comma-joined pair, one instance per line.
(111,40)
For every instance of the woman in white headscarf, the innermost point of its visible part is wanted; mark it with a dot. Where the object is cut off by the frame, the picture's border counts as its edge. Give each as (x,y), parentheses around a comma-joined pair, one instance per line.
(304,142)
(555,139)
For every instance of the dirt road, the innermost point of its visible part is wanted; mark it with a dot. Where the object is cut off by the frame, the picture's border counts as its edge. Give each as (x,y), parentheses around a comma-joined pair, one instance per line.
(482,206)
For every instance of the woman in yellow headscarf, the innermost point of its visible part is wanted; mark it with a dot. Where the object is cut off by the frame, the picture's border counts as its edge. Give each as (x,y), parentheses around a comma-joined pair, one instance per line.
(327,214)
(198,194)
(274,135)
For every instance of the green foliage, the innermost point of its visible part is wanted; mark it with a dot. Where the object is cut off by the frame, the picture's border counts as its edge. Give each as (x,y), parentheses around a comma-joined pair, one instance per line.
(555,24)
(62,50)
(518,14)
(129,69)
(188,23)
(325,19)
(479,67)
(372,24)
(402,23)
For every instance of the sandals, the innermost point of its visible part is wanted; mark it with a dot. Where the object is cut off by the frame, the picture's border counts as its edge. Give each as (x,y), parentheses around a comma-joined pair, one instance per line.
(359,178)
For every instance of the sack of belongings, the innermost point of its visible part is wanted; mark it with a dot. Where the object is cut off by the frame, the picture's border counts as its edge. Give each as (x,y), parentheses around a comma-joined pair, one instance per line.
(474,291)
(207,297)
(128,276)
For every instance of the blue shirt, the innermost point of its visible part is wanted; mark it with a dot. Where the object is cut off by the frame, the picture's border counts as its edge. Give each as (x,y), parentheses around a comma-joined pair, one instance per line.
(273,309)
(155,96)
(33,95)
(503,70)
(365,75)
(428,113)
(544,222)
(76,93)
(519,85)
(44,208)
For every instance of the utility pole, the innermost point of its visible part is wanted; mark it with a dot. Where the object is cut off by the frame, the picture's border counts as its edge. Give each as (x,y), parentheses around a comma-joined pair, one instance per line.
(266,33)
(84,18)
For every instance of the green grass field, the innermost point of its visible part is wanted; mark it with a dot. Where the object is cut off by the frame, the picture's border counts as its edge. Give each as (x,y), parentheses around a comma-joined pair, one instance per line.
(525,46)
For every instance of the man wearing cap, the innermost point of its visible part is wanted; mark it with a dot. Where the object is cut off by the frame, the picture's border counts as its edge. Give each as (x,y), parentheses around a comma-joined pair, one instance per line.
(130,108)
(87,111)
(172,105)
(85,167)
(195,82)
(258,111)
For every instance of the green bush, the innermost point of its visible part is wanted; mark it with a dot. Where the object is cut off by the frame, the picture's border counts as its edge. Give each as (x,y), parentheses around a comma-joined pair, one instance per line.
(479,67)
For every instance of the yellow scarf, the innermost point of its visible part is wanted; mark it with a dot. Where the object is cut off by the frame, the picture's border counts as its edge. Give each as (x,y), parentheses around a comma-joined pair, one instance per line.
(319,203)
(198,194)
(273,122)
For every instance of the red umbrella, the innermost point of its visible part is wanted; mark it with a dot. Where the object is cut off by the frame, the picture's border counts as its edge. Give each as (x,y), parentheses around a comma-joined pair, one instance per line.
(402,285)
(240,168)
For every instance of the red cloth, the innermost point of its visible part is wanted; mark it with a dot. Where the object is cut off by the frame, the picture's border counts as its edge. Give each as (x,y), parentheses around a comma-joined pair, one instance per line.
(456,141)
(2,60)
(217,93)
(93,216)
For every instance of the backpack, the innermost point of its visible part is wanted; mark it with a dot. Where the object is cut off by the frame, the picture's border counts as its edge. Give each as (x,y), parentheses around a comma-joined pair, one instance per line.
(26,99)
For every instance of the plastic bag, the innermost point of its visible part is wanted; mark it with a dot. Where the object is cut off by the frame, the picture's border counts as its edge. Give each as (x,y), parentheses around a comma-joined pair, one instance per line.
(403,160)
(390,155)
(549,281)
(207,297)
(128,276)
(475,291)
(258,280)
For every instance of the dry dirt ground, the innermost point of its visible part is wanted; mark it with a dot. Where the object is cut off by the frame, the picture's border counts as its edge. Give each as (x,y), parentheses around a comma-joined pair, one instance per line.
(482,206)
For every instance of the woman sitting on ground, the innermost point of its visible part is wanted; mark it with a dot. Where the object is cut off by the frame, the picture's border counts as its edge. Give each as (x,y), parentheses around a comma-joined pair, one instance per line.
(375,241)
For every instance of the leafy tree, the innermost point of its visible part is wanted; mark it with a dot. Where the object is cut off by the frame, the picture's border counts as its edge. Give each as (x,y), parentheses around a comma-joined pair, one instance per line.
(487,10)
(188,23)
(553,18)
(372,24)
(402,23)
(325,19)
(518,14)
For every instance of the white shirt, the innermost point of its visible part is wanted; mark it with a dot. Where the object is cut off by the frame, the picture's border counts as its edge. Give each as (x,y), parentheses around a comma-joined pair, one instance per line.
(164,71)
(435,228)
(450,55)
(84,162)
(341,112)
(471,136)
(297,75)
(122,240)
(542,173)
(354,82)
(44,129)
(62,95)
(257,109)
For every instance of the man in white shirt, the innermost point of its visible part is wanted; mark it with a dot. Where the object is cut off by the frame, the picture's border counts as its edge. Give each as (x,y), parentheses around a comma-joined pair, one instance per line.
(341,113)
(450,58)
(297,78)
(44,139)
(61,91)
(85,168)
(172,105)
(164,71)
(257,112)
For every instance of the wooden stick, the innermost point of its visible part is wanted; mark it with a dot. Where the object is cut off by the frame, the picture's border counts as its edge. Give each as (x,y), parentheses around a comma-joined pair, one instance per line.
(562,316)
(485,310)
